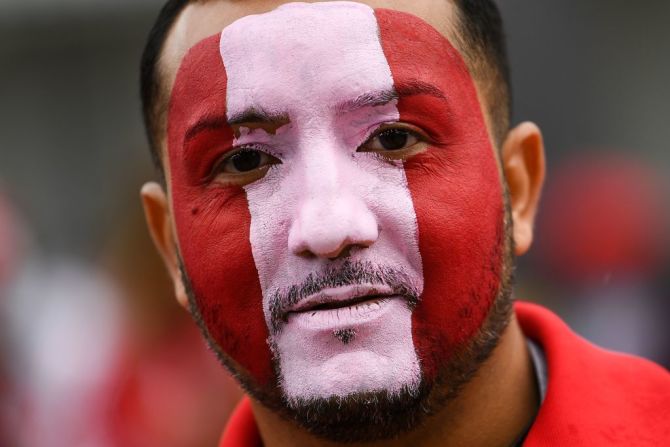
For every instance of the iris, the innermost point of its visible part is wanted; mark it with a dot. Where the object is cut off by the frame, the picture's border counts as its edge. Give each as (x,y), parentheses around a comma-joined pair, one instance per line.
(246,160)
(393,139)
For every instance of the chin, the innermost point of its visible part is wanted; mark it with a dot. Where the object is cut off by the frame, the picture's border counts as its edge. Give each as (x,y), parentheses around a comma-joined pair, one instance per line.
(365,414)
(361,416)
(337,353)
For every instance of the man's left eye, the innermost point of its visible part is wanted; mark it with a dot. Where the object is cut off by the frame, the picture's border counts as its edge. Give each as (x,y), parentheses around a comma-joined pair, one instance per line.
(394,142)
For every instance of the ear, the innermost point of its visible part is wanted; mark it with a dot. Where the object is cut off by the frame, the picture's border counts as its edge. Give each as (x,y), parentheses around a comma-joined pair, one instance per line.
(159,220)
(523,165)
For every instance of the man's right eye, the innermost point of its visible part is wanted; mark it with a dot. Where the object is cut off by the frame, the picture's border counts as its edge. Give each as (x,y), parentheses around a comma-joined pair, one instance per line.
(244,166)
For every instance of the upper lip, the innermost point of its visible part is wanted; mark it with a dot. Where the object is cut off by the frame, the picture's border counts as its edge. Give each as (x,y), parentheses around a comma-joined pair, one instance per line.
(342,296)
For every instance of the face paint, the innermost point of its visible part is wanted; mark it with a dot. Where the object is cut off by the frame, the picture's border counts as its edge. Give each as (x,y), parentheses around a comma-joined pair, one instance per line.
(456,189)
(325,194)
(308,85)
(213,222)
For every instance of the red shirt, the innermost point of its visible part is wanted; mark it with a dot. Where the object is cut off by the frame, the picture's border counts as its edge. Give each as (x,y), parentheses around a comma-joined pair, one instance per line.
(594,397)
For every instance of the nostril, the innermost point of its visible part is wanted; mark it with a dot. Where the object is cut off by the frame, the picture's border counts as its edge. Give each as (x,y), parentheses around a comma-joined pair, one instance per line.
(343,253)
(347,250)
(306,254)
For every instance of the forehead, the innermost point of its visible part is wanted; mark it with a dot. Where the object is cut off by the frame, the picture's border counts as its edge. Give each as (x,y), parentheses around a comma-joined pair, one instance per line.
(200,20)
(333,49)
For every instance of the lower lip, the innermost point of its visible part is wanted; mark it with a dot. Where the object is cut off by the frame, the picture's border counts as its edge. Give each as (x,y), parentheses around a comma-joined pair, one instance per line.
(349,316)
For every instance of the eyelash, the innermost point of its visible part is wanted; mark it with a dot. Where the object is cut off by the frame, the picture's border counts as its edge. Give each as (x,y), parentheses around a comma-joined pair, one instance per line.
(218,165)
(414,131)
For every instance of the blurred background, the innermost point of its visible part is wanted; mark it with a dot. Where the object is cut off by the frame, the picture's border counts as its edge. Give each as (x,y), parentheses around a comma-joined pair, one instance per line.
(94,350)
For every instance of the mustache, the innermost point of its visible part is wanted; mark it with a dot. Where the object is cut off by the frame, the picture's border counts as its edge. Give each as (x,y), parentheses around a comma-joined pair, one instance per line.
(347,274)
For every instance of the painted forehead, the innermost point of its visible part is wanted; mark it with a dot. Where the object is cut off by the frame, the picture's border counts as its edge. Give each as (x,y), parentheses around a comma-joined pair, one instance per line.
(324,51)
(293,39)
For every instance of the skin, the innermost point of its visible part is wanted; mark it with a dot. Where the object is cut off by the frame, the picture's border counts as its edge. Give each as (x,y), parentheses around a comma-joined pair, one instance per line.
(497,404)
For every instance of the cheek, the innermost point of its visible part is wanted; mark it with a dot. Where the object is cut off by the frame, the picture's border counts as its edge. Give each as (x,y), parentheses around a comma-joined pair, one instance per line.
(214,241)
(459,218)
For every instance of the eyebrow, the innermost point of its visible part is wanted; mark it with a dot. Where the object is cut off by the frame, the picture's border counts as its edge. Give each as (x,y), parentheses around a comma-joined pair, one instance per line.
(402,90)
(256,115)
(205,123)
(414,87)
(252,117)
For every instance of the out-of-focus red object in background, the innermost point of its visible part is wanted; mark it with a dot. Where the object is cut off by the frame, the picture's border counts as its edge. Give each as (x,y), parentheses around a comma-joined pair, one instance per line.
(602,215)
(169,389)
(171,394)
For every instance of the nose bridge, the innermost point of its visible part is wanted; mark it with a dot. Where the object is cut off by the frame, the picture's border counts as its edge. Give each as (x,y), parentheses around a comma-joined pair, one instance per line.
(322,169)
(331,215)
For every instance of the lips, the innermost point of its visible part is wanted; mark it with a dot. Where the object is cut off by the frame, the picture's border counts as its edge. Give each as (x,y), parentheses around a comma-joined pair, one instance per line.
(341,306)
(341,297)
(358,287)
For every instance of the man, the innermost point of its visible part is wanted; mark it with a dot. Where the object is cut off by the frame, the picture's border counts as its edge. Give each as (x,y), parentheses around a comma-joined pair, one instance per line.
(341,202)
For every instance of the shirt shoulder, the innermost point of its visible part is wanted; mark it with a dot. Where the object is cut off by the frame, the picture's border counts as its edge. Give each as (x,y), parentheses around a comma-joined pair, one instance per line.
(594,397)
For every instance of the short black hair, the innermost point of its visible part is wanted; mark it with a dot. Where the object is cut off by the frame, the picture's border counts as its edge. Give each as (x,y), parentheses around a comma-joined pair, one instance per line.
(485,50)
(482,41)
(151,95)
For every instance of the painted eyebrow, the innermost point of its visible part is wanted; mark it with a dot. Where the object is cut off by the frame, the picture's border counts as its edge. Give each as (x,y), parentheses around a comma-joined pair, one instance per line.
(408,88)
(205,123)
(248,116)
(414,87)
(259,116)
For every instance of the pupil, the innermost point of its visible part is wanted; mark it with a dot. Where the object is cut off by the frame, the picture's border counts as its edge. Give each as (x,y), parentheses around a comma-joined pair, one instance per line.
(246,160)
(393,139)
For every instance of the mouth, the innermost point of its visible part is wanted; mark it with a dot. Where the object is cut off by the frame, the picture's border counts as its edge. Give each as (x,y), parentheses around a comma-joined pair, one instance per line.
(344,297)
(343,306)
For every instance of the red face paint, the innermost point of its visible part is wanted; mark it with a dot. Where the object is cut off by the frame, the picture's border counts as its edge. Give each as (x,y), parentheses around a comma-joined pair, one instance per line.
(212,221)
(455,187)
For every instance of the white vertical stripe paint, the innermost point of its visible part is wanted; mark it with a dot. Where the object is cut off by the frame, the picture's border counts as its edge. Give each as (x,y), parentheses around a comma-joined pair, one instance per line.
(302,60)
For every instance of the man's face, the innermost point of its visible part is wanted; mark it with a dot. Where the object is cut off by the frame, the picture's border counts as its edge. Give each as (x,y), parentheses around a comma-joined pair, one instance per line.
(336,201)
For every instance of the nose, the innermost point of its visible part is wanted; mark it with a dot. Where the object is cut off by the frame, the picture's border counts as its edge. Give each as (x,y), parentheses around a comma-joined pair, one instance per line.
(329,227)
(331,216)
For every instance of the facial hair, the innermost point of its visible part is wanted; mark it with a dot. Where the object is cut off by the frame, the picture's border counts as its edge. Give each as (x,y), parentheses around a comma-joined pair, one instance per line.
(380,415)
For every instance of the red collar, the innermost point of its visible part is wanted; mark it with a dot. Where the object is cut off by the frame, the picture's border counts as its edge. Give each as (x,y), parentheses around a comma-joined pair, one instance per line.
(594,397)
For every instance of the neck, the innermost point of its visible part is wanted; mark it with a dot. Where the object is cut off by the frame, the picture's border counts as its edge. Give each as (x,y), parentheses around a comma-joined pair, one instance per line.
(492,409)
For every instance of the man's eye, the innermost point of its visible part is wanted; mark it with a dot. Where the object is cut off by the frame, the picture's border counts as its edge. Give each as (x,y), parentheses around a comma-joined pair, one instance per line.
(244,166)
(394,142)
(245,161)
(391,140)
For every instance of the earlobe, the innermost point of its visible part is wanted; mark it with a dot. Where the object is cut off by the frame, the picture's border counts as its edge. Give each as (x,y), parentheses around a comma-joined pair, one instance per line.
(523,165)
(159,222)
